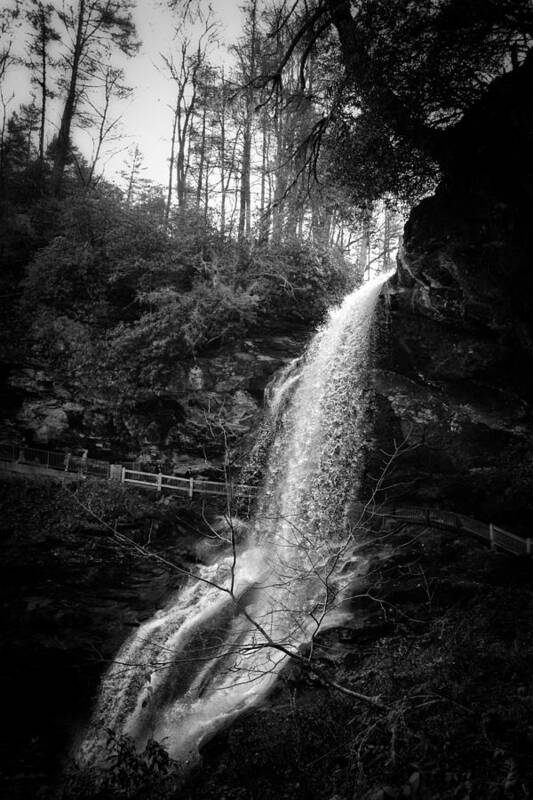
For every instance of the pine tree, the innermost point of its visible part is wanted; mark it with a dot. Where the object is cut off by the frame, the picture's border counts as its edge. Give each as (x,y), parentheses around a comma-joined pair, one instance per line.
(42,35)
(96,28)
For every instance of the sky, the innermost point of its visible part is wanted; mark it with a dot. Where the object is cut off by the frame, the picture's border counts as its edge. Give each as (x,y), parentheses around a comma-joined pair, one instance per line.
(146,115)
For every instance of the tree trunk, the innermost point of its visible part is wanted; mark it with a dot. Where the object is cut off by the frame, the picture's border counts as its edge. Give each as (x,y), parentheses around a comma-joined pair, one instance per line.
(43,92)
(222,161)
(201,164)
(386,263)
(206,191)
(245,211)
(63,137)
(171,160)
(364,246)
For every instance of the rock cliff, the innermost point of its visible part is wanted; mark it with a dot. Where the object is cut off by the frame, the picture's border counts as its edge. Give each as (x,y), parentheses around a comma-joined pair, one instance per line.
(454,349)
(212,404)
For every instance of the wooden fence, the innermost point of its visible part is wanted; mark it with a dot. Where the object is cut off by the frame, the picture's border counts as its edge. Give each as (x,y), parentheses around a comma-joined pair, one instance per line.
(187,486)
(56,461)
(450,520)
(27,461)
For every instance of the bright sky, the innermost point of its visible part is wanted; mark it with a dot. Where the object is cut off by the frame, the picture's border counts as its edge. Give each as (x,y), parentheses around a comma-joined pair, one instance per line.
(146,116)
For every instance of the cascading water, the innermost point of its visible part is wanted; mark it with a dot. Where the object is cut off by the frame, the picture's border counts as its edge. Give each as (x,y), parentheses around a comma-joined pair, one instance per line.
(218,646)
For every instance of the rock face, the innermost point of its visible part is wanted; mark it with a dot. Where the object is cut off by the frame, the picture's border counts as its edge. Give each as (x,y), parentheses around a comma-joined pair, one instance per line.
(454,346)
(212,403)
(222,394)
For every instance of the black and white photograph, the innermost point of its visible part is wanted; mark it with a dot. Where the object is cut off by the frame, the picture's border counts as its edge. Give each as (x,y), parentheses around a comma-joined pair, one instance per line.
(266,381)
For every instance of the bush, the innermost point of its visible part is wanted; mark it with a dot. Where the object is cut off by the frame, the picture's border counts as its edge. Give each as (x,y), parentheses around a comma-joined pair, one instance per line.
(113,306)
(127,775)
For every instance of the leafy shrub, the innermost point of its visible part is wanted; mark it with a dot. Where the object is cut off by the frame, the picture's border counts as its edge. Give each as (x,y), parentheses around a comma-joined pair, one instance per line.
(112,304)
(127,774)
(296,280)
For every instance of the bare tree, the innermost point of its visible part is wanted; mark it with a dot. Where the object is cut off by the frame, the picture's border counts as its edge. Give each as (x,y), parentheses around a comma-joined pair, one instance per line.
(98,115)
(95,28)
(247,54)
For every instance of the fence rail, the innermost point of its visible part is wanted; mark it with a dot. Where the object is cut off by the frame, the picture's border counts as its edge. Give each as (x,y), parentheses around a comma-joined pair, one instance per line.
(188,486)
(450,520)
(53,462)
(81,466)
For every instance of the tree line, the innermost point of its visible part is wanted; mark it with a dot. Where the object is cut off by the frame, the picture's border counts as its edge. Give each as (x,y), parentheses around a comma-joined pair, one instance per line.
(322,108)
(246,149)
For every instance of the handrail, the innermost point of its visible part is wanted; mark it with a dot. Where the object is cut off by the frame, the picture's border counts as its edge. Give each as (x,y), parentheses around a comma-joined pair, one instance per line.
(80,466)
(451,520)
(188,486)
(54,460)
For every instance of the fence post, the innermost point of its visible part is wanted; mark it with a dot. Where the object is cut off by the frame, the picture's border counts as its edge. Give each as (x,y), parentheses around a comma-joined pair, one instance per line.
(528,546)
(116,473)
(159,481)
(491,536)
(191,487)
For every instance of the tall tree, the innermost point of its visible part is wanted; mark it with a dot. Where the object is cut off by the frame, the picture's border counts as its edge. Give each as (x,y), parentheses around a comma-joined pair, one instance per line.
(96,27)
(132,174)
(98,115)
(247,54)
(184,71)
(8,17)
(8,21)
(39,61)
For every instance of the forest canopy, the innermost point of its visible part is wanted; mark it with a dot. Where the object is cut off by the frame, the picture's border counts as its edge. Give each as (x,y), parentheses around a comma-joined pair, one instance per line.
(411,71)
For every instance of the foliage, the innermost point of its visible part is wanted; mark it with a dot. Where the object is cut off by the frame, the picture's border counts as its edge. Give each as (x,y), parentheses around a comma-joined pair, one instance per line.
(297,279)
(114,301)
(438,58)
(127,774)
(411,72)
(366,166)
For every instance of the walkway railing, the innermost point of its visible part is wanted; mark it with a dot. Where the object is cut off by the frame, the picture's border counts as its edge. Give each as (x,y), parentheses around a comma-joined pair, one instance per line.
(29,460)
(450,520)
(188,486)
(54,460)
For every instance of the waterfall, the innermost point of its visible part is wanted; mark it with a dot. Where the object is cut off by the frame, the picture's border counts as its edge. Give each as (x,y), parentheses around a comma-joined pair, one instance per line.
(218,646)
